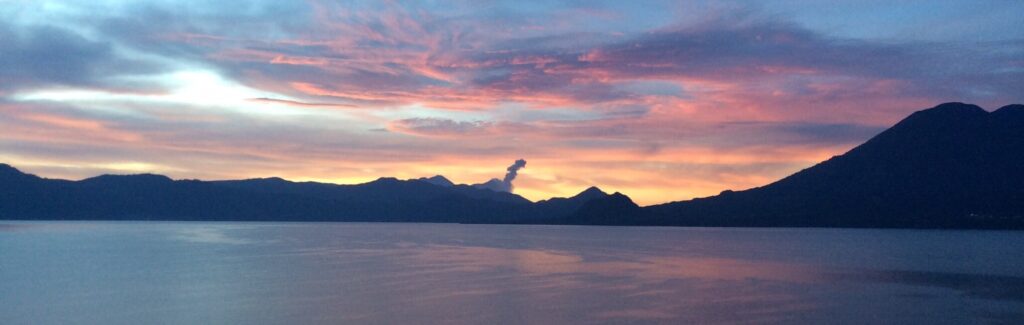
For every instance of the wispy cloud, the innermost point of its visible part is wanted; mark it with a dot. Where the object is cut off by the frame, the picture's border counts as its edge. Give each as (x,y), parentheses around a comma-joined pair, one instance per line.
(659,100)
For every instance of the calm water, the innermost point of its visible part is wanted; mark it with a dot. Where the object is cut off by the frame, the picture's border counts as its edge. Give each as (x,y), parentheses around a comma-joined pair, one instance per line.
(288,273)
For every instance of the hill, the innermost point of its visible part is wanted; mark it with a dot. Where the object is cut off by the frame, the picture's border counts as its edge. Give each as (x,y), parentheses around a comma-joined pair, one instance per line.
(951,166)
(157,197)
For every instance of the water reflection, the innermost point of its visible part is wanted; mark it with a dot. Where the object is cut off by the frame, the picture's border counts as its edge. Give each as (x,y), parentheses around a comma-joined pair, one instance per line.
(656,268)
(569,270)
(472,274)
(12,227)
(210,235)
(661,268)
(986,286)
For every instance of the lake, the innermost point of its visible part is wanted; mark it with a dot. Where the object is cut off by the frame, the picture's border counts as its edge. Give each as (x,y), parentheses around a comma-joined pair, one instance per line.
(379,273)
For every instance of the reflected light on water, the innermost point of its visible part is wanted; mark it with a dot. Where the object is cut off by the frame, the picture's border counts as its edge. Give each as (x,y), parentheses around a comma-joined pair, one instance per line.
(131,272)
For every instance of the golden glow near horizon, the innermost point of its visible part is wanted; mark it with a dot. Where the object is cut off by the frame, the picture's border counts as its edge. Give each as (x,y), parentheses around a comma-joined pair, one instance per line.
(660,102)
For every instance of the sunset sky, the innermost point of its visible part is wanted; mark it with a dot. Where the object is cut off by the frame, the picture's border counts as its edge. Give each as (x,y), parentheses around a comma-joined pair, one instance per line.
(659,100)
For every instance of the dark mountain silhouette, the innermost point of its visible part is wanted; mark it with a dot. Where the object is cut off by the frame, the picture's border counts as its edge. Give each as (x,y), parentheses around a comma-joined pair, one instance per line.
(156,197)
(438,180)
(555,209)
(951,166)
(608,210)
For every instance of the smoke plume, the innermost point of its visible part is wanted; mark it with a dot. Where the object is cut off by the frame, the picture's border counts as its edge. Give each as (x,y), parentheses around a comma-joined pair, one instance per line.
(504,185)
(513,171)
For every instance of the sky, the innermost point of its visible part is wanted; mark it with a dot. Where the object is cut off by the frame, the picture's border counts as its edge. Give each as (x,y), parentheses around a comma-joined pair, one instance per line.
(660,100)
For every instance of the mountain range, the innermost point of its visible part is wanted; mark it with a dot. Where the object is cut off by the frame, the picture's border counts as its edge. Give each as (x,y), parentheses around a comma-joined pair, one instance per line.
(951,166)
